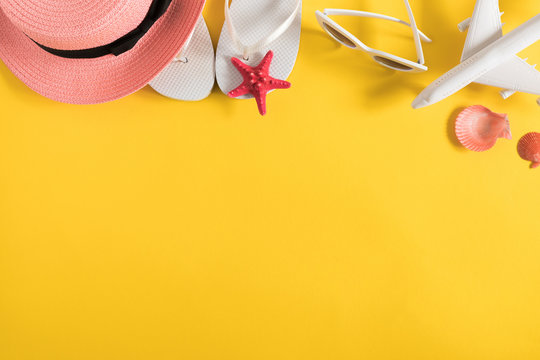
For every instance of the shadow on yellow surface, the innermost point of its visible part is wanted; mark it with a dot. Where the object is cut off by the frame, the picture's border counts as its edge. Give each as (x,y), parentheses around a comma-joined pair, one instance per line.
(343,225)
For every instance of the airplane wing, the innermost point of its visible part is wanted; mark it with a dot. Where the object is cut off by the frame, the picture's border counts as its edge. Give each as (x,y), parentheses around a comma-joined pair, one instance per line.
(515,74)
(485,27)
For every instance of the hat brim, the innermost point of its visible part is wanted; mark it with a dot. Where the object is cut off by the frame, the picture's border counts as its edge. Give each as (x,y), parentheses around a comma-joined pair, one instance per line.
(93,81)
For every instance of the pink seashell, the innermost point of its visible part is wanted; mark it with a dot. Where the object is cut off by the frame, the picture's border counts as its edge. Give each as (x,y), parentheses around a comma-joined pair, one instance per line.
(478,128)
(529,148)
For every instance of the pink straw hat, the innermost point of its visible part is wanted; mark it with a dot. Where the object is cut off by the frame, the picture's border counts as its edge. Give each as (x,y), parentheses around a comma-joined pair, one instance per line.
(92,51)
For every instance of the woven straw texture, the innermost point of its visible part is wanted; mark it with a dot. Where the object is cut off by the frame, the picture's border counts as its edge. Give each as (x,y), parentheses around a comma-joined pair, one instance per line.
(90,81)
(72,25)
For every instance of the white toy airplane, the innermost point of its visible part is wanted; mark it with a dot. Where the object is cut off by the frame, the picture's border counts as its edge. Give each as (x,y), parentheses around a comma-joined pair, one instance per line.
(489,58)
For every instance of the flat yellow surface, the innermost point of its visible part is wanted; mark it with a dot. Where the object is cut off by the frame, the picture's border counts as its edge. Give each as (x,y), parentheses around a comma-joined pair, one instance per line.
(343,225)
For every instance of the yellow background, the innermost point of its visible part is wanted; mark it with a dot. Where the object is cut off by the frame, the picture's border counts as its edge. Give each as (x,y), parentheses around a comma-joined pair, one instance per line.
(343,225)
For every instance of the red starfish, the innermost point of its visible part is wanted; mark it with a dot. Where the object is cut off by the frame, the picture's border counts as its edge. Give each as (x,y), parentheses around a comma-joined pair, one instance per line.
(257,81)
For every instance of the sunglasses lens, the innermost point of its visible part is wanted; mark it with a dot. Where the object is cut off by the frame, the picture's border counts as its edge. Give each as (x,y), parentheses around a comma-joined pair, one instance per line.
(392,64)
(338,35)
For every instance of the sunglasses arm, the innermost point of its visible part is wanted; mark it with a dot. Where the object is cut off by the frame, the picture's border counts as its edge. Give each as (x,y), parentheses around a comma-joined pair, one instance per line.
(342,12)
(416,34)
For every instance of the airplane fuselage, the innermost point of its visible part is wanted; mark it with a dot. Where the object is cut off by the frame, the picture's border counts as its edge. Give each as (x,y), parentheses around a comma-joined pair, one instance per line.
(480,63)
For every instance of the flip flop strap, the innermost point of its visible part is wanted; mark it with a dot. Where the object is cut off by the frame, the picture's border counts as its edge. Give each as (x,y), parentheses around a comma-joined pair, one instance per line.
(180,57)
(261,44)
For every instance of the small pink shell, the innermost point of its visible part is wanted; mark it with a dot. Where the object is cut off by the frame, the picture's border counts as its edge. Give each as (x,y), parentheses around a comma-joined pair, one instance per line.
(478,128)
(529,148)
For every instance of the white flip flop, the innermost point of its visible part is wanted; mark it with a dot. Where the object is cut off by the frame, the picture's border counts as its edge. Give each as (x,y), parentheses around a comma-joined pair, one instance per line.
(191,76)
(267,26)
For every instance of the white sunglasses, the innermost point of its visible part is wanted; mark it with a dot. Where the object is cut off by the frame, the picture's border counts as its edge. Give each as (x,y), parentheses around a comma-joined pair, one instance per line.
(388,60)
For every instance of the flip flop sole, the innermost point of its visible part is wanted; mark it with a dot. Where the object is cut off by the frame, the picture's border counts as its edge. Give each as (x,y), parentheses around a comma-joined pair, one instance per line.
(255,20)
(193,78)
